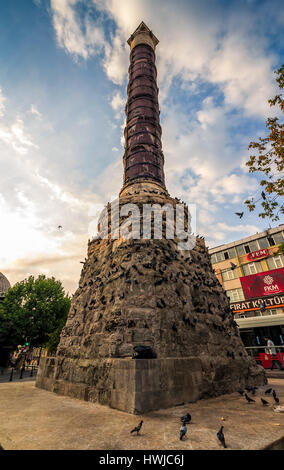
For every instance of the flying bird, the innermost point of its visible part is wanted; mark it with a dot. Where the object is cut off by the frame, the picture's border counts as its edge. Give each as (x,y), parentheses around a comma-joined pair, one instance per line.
(263,195)
(221,437)
(249,400)
(240,214)
(137,428)
(183,430)
(59,227)
(264,402)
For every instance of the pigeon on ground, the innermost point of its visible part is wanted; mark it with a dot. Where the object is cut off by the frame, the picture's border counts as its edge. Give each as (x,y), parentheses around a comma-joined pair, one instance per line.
(264,402)
(221,437)
(186,418)
(268,391)
(276,399)
(183,430)
(137,428)
(249,400)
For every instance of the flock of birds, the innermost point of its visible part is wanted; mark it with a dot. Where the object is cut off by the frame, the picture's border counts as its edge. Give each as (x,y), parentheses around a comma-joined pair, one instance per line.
(252,391)
(220,434)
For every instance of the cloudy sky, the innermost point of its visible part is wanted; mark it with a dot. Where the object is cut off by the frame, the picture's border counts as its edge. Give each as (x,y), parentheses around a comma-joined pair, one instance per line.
(63,79)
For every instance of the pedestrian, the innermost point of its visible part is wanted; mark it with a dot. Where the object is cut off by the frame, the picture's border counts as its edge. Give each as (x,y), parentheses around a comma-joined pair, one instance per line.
(272,350)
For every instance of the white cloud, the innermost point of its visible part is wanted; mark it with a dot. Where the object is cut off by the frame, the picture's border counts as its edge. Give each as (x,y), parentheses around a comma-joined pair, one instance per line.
(79,40)
(224,51)
(118,104)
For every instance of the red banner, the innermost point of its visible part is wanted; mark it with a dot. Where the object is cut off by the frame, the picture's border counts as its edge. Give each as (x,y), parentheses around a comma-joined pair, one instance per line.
(258,254)
(260,284)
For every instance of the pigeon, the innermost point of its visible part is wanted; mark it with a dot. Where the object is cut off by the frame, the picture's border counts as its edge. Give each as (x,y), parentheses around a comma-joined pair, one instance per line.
(263,195)
(137,428)
(264,402)
(183,430)
(221,437)
(240,214)
(249,400)
(241,392)
(268,391)
(186,418)
(276,399)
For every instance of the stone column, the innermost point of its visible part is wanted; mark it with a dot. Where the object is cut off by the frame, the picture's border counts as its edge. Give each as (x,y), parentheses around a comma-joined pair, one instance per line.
(143,158)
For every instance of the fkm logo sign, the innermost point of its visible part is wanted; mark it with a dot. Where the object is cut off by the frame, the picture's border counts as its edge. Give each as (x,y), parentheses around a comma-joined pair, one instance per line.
(270,286)
(258,254)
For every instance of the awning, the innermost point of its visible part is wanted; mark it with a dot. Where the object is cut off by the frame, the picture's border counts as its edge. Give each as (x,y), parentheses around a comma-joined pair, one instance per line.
(254,322)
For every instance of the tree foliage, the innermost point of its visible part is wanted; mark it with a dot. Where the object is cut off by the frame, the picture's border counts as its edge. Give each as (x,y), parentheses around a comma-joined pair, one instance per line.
(34,310)
(270,161)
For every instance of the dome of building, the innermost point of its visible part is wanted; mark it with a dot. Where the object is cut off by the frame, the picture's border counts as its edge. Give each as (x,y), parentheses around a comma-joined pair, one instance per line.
(4,284)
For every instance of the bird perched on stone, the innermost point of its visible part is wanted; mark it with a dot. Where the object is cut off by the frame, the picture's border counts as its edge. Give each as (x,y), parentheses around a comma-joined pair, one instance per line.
(264,402)
(268,391)
(186,418)
(249,400)
(137,428)
(183,430)
(221,437)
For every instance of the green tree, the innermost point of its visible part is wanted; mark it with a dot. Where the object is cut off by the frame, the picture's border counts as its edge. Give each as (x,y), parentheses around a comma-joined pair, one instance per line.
(280,250)
(270,161)
(34,311)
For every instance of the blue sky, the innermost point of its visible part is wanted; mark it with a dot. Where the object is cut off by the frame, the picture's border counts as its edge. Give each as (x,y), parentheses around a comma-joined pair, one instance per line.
(63,79)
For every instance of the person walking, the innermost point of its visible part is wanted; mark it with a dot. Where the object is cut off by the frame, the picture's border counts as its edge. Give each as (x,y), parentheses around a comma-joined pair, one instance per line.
(272,349)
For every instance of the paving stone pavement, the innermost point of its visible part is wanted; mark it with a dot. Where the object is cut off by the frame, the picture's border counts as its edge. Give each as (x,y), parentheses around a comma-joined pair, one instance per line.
(35,419)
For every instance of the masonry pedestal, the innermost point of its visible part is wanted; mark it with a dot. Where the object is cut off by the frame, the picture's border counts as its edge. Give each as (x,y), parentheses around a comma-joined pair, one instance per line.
(141,385)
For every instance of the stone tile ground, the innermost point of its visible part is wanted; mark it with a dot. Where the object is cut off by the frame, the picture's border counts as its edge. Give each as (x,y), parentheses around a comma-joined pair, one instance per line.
(32,418)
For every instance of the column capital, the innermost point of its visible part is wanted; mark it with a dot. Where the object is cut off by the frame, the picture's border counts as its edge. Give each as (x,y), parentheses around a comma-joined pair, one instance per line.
(143,35)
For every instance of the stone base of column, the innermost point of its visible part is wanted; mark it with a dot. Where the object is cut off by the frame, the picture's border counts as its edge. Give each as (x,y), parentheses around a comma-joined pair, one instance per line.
(141,385)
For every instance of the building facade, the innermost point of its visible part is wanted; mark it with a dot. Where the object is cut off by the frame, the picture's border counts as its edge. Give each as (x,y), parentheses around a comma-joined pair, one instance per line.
(252,273)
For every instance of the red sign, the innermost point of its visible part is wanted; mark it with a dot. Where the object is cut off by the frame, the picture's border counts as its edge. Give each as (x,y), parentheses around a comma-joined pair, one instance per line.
(258,254)
(260,284)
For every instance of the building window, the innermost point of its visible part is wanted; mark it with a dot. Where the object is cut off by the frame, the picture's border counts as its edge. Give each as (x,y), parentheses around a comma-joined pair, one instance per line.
(236,294)
(252,268)
(220,256)
(240,250)
(275,262)
(263,243)
(278,238)
(270,240)
(229,274)
(223,255)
